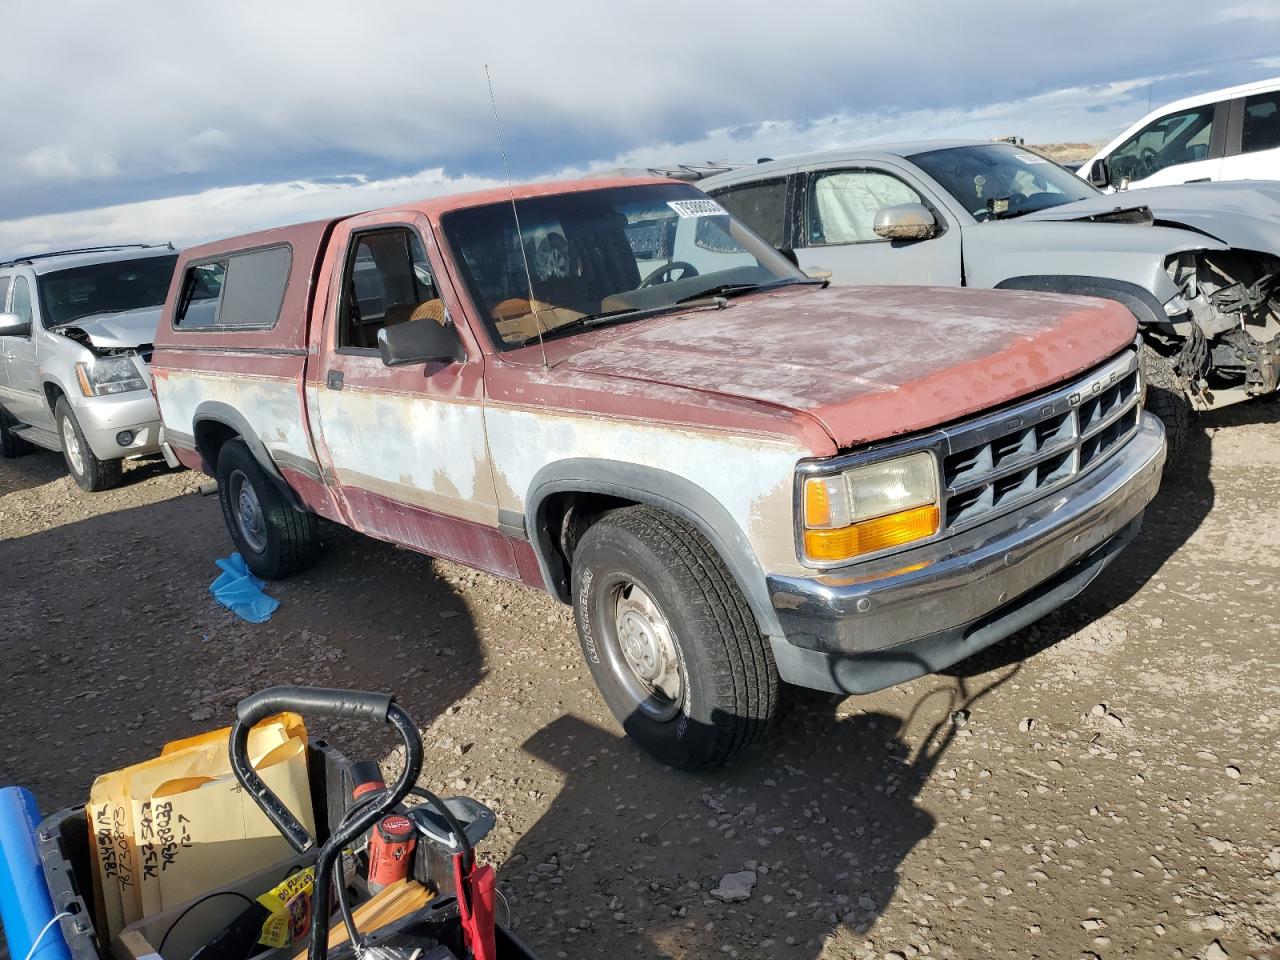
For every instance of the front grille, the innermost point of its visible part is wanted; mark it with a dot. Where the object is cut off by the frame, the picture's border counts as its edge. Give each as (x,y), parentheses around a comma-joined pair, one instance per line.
(994,464)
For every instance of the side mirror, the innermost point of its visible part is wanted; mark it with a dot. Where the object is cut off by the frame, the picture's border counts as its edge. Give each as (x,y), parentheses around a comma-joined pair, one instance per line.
(1099,175)
(418,341)
(12,325)
(906,221)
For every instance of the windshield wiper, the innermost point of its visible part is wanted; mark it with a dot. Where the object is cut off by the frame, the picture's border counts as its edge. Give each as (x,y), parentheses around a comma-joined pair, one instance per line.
(589,320)
(737,289)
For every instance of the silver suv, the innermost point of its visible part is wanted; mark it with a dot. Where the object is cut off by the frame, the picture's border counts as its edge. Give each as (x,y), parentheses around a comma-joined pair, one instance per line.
(76,329)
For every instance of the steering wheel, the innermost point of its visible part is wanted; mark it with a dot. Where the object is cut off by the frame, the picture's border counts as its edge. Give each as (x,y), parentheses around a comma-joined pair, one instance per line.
(663,273)
(1149,158)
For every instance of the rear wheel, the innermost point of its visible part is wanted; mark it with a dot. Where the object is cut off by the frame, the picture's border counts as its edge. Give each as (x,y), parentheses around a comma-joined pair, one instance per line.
(11,445)
(1167,400)
(85,468)
(274,537)
(670,640)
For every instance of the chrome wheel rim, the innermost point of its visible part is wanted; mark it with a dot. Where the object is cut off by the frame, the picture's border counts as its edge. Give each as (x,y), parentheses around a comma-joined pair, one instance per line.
(649,661)
(248,512)
(71,446)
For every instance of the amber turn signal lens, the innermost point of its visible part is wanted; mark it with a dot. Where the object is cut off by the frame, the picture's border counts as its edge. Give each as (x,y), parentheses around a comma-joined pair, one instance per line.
(871,536)
(817,504)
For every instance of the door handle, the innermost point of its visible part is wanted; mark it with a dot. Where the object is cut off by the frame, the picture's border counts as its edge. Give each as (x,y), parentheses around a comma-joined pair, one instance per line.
(334,380)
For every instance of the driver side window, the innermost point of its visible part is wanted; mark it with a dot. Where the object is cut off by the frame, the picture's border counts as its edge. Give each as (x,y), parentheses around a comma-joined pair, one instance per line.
(1177,138)
(388,281)
(842,205)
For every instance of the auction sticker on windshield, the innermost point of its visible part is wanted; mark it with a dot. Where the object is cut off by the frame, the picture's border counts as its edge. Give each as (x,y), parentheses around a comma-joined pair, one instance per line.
(688,209)
(1030,158)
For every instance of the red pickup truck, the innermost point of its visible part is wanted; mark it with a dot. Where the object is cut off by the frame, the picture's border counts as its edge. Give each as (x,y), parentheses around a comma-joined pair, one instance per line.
(615,392)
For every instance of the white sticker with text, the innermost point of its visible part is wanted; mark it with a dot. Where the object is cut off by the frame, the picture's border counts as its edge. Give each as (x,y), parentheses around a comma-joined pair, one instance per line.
(687,209)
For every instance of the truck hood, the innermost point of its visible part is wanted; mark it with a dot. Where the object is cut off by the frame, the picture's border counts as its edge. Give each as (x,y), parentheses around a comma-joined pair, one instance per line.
(117,331)
(867,363)
(1244,214)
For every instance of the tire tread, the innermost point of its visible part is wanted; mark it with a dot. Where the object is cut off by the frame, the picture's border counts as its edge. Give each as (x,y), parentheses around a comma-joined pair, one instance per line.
(733,639)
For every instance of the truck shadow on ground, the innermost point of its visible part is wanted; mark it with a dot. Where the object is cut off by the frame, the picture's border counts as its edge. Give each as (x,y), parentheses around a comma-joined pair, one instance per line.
(113,644)
(823,814)
(1186,496)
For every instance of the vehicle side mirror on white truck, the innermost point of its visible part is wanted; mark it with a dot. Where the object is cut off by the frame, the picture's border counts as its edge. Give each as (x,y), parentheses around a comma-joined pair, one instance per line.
(419,341)
(906,221)
(12,325)
(1099,175)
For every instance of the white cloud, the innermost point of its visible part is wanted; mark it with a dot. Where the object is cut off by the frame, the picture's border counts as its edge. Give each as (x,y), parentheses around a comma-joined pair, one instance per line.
(402,81)
(227,211)
(56,162)
(243,95)
(223,212)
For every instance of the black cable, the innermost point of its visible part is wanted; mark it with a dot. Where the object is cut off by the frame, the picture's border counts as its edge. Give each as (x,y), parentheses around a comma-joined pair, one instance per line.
(344,904)
(217,893)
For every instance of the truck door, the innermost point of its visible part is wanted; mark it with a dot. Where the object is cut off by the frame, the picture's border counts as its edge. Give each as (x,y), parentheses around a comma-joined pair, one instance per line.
(1253,138)
(1181,147)
(836,219)
(25,396)
(405,446)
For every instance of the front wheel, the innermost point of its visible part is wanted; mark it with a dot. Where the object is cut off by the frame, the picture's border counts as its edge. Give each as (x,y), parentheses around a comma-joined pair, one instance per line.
(670,640)
(274,537)
(1167,399)
(86,469)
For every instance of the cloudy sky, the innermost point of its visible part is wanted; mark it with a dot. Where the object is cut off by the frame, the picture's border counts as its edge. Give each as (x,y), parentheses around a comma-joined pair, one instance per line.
(161,120)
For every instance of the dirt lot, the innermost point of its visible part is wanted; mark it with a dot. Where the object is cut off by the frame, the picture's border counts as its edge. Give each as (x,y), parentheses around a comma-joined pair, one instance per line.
(1115,794)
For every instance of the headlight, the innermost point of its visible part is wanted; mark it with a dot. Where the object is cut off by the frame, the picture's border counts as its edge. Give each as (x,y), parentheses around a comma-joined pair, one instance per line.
(108,375)
(870,508)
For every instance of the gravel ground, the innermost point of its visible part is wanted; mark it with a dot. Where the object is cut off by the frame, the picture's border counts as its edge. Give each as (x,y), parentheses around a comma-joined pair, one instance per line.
(1102,785)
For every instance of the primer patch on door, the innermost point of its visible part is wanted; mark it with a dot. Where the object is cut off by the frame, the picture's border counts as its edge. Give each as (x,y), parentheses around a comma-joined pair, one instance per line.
(691,209)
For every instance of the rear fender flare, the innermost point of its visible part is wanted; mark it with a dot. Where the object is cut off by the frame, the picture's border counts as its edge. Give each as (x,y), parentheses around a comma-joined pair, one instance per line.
(656,488)
(213,411)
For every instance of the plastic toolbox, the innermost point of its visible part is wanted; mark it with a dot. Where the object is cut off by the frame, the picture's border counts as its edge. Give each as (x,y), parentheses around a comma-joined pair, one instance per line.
(63,842)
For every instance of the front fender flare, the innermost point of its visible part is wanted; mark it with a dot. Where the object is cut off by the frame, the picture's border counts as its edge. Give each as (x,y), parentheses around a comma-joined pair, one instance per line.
(1141,302)
(657,488)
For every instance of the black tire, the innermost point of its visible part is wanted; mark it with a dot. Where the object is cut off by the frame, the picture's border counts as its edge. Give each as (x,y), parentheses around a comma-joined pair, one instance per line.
(11,445)
(728,688)
(277,539)
(86,469)
(1167,400)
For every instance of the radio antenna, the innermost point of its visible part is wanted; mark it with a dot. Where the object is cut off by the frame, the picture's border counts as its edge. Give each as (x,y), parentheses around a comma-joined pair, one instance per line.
(524,255)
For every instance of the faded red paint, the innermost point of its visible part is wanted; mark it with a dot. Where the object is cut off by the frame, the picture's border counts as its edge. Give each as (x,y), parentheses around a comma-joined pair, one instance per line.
(865,363)
(433,533)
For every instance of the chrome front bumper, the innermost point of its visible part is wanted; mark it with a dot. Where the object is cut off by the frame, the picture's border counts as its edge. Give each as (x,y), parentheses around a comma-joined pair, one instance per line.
(875,624)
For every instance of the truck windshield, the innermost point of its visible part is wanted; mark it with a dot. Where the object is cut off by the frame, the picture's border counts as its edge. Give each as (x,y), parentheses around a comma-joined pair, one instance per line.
(998,181)
(79,292)
(604,255)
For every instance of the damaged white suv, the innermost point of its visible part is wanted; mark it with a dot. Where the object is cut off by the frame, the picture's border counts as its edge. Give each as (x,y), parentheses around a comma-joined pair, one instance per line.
(76,329)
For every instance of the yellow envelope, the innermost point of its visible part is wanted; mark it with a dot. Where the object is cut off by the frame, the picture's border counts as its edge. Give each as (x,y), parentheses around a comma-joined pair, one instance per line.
(117,892)
(195,834)
(203,761)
